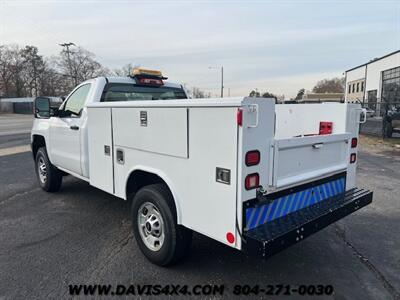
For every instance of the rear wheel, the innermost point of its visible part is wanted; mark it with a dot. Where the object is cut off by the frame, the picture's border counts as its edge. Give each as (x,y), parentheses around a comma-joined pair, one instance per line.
(48,175)
(159,237)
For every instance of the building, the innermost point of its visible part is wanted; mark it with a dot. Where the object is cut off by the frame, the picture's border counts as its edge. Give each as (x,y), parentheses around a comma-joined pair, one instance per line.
(322,97)
(375,82)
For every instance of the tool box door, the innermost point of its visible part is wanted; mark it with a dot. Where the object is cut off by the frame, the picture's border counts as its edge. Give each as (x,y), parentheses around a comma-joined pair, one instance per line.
(300,159)
(100,149)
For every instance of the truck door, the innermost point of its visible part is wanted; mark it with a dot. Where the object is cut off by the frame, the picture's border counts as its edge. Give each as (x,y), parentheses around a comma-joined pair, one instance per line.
(65,131)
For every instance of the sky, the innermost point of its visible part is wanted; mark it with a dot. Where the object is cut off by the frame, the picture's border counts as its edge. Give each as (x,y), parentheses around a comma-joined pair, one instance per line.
(275,46)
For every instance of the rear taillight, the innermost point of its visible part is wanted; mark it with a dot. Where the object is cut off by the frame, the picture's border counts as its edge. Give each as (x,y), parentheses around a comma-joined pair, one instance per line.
(325,127)
(252,158)
(239,117)
(353,158)
(354,142)
(252,181)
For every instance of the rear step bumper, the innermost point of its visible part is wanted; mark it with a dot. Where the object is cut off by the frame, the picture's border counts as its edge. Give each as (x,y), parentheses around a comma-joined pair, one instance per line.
(272,237)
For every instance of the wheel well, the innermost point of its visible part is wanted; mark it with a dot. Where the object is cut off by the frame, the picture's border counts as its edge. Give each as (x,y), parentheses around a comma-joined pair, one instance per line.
(38,142)
(138,179)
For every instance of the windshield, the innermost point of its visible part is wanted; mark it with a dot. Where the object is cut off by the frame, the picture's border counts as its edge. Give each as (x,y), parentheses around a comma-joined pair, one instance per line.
(131,92)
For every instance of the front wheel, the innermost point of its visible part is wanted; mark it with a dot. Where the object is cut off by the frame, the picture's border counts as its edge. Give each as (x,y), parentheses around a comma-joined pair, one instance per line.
(48,175)
(157,233)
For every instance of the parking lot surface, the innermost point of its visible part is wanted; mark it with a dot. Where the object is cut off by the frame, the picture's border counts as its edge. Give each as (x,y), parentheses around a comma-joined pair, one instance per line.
(82,235)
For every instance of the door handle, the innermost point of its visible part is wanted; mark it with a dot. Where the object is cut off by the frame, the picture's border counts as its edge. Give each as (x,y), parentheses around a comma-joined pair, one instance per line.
(120,156)
(318,145)
(74,127)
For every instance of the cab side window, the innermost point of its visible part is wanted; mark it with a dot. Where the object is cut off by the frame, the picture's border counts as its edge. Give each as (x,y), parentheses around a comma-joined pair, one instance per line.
(77,100)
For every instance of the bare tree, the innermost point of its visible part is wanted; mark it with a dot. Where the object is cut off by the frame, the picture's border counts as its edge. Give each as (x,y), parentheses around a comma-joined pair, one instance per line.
(79,65)
(12,71)
(124,71)
(195,92)
(6,84)
(334,85)
(32,69)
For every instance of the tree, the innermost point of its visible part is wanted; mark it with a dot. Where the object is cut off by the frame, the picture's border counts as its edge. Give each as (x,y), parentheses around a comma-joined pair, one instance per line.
(254,93)
(268,95)
(79,65)
(300,94)
(6,85)
(11,71)
(334,85)
(33,66)
(124,71)
(257,94)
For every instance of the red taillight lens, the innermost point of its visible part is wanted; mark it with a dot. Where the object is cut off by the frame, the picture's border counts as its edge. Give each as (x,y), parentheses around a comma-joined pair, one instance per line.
(252,181)
(353,158)
(354,142)
(150,81)
(239,117)
(325,127)
(252,158)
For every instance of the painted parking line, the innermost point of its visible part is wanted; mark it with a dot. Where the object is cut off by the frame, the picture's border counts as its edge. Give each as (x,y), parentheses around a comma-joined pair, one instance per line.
(12,132)
(15,150)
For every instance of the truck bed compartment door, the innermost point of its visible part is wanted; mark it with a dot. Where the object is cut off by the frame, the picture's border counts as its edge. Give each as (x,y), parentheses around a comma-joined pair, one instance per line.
(300,159)
(100,148)
(152,129)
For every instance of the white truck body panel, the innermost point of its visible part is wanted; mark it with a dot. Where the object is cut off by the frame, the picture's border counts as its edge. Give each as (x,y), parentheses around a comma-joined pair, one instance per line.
(162,127)
(190,178)
(184,142)
(298,160)
(101,136)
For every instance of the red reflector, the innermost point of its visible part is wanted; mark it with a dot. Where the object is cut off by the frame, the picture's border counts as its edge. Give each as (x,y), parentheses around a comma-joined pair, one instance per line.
(354,142)
(325,127)
(239,117)
(353,158)
(230,237)
(252,158)
(252,181)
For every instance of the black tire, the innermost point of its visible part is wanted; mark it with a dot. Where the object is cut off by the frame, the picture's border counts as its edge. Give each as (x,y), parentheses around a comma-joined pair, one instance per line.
(51,181)
(177,239)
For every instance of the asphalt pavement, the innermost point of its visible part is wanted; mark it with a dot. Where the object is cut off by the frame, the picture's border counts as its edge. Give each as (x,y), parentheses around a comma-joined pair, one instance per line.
(82,235)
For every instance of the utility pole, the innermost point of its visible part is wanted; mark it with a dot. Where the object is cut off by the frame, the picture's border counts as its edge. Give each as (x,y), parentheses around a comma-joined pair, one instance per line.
(222,82)
(67,45)
(222,79)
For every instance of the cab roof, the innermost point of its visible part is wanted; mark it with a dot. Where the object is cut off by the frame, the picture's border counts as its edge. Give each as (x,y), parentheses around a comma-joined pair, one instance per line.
(132,81)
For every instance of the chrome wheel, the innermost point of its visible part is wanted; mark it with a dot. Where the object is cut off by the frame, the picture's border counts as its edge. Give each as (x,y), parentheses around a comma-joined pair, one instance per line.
(151,226)
(42,170)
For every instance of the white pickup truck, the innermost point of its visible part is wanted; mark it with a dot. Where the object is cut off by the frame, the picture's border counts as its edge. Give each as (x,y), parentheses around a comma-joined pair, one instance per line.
(252,174)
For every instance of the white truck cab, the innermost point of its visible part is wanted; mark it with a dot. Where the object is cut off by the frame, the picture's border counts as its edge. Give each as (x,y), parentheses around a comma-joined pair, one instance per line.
(255,175)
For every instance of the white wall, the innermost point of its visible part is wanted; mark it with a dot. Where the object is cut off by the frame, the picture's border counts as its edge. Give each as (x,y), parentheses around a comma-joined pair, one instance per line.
(353,75)
(374,71)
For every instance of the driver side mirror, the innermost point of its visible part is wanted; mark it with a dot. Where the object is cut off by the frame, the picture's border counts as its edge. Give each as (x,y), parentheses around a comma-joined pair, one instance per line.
(42,108)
